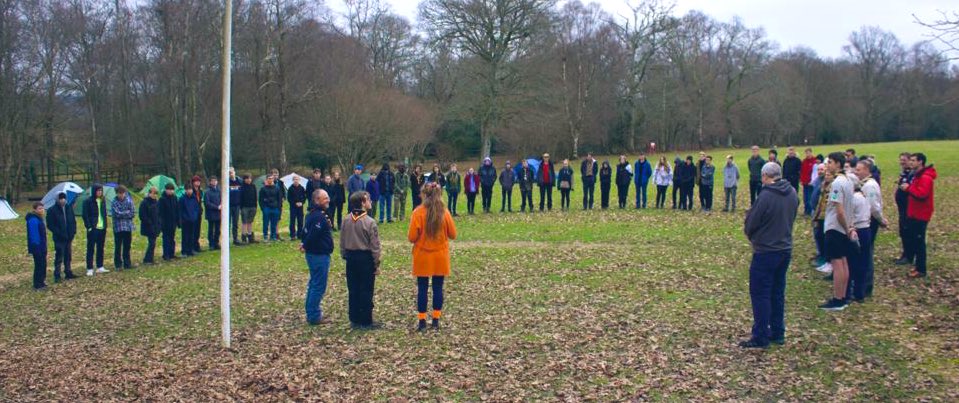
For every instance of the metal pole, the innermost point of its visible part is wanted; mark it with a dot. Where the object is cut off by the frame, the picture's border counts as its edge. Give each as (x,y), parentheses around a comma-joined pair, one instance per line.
(225,160)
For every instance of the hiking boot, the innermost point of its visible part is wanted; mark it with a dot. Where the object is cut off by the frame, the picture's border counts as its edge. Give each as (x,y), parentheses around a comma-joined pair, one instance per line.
(436,324)
(902,261)
(421,326)
(779,341)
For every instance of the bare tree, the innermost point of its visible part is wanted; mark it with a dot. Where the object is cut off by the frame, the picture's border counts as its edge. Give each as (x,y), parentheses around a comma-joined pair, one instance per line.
(944,31)
(879,57)
(743,52)
(493,31)
(644,34)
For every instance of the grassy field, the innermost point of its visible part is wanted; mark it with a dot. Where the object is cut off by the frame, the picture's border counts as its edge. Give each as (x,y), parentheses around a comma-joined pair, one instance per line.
(599,305)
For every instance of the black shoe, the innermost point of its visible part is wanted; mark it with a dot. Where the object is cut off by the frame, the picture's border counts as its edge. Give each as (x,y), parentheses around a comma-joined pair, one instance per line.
(436,324)
(753,343)
(834,304)
(903,262)
(421,326)
(779,341)
(70,276)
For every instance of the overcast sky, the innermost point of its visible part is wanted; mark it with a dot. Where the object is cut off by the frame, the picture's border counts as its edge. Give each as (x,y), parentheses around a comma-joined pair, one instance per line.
(823,25)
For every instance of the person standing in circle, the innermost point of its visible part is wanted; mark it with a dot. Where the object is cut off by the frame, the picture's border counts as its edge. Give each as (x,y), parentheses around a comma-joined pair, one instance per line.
(431,229)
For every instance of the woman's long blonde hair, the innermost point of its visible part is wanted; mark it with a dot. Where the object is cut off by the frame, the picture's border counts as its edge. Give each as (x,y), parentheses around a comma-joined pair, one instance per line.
(435,209)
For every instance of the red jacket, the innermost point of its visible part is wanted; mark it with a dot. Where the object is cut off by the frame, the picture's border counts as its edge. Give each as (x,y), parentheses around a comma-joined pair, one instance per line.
(805,173)
(471,184)
(920,191)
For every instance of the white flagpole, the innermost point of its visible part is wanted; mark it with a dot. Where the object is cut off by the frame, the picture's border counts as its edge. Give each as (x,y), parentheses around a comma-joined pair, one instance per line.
(225,160)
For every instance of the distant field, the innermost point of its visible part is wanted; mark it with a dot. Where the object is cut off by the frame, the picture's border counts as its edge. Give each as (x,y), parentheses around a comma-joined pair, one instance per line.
(599,305)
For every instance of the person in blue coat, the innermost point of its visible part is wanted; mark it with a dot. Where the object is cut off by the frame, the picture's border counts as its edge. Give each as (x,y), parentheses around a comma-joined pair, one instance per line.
(642,171)
(386,181)
(355,183)
(373,188)
(37,245)
(212,203)
(189,219)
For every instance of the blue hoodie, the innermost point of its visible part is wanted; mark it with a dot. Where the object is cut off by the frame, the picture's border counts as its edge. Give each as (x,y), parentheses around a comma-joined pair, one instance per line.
(189,209)
(642,171)
(36,235)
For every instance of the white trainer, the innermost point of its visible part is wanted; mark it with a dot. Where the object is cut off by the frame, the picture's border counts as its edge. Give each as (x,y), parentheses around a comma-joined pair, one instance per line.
(102,270)
(826,268)
(90,273)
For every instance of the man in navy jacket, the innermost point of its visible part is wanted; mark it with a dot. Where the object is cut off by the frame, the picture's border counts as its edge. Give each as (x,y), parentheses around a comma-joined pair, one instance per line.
(62,224)
(316,242)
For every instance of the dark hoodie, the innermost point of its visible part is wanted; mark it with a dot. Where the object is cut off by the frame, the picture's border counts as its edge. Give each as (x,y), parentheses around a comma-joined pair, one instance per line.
(769,223)
(91,214)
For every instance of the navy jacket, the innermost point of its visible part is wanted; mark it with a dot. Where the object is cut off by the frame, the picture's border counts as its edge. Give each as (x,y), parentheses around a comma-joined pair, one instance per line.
(686,174)
(189,209)
(247,196)
(386,182)
(317,233)
(169,210)
(212,200)
(149,217)
(62,223)
(487,174)
(235,185)
(36,235)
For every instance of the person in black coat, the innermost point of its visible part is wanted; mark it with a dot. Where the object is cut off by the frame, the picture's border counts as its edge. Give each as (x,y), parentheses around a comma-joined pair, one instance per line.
(62,224)
(605,183)
(792,168)
(296,195)
(313,184)
(190,213)
(623,178)
(168,214)
(213,204)
(198,195)
(686,179)
(546,179)
(95,221)
(487,174)
(149,214)
(248,204)
(337,194)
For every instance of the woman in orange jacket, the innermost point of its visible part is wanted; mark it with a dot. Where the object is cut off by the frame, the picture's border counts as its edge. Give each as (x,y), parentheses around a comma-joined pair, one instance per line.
(431,229)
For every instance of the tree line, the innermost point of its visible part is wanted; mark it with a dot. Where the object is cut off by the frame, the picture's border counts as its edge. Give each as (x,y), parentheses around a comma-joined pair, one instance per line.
(120,85)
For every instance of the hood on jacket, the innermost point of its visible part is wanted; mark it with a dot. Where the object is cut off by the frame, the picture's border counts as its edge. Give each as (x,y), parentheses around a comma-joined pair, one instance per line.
(487,161)
(928,170)
(94,189)
(780,186)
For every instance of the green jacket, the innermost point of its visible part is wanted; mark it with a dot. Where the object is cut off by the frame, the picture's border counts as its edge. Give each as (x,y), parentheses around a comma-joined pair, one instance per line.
(402,183)
(453,182)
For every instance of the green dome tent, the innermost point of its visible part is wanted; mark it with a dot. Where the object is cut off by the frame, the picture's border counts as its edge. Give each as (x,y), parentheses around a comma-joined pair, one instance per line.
(160,182)
(109,193)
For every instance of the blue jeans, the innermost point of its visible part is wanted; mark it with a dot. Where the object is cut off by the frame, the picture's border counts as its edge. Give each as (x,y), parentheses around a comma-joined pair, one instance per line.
(767,292)
(641,195)
(315,289)
(271,218)
(386,207)
(860,264)
(807,192)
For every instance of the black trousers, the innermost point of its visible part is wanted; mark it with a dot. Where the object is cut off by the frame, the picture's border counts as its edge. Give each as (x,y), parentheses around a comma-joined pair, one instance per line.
(213,233)
(417,200)
(451,199)
(676,189)
(196,236)
(487,197)
(904,230)
(151,247)
(526,195)
(622,191)
(546,197)
(40,269)
(917,243)
(63,255)
(234,221)
(95,240)
(564,199)
(589,189)
(169,243)
(296,220)
(754,187)
(121,249)
(336,215)
(187,231)
(360,280)
(604,194)
(686,196)
(471,202)
(507,199)
(661,196)
(702,196)
(706,194)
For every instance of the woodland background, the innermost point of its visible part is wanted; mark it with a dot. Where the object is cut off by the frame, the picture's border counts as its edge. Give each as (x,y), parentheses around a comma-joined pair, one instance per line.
(116,89)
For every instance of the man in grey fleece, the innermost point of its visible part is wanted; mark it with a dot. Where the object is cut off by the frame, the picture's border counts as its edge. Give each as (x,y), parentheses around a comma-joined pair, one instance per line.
(769,228)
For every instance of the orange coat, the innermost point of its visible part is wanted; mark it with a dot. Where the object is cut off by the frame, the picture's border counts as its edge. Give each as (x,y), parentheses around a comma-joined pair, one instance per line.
(431,256)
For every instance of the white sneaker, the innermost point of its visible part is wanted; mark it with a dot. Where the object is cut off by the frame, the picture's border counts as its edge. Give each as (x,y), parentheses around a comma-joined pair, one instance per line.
(826,268)
(90,273)
(102,270)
